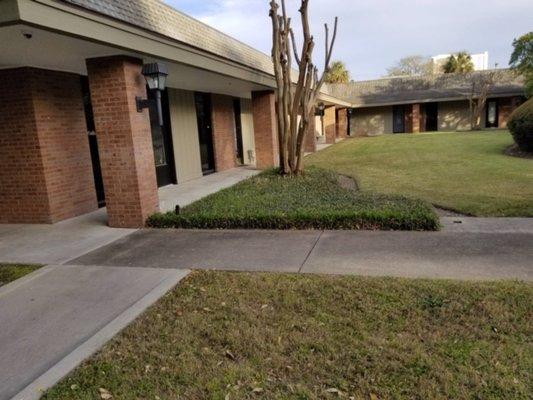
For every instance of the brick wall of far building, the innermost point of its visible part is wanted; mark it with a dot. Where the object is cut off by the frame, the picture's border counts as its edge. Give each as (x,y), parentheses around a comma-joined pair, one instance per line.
(330,125)
(342,123)
(506,106)
(223,132)
(415,115)
(46,173)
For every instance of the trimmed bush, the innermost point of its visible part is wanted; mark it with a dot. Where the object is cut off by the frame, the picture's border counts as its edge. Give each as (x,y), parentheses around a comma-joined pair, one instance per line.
(316,200)
(521,126)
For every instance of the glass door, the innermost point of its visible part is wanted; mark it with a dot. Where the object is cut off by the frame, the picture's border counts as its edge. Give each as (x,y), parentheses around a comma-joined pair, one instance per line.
(93,142)
(205,132)
(492,114)
(398,119)
(239,150)
(162,141)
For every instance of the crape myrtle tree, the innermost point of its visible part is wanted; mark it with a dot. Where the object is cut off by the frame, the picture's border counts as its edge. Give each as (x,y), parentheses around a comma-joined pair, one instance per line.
(295,102)
(481,86)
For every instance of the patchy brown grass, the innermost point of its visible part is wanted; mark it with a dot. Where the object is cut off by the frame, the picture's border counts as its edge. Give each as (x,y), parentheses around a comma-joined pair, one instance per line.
(264,336)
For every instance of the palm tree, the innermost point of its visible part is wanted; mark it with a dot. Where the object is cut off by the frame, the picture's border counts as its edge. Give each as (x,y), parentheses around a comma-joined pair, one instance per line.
(338,73)
(461,63)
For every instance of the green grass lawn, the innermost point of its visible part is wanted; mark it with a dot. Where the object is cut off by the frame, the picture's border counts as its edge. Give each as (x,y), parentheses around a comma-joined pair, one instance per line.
(225,335)
(11,272)
(466,172)
(316,200)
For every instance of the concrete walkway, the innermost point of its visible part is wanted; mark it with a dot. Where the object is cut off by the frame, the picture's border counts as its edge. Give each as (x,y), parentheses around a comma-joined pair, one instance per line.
(56,317)
(57,243)
(471,249)
(63,241)
(186,193)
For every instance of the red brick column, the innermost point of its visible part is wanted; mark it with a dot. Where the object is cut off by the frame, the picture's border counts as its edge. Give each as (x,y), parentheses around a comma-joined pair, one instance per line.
(342,123)
(506,106)
(223,132)
(46,171)
(310,137)
(330,125)
(125,140)
(416,118)
(265,129)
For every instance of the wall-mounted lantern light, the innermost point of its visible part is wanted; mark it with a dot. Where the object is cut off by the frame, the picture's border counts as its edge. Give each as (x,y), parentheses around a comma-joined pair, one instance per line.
(320,109)
(156,78)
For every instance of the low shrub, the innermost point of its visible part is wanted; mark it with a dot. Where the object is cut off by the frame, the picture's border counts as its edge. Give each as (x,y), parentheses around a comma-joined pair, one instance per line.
(521,126)
(316,200)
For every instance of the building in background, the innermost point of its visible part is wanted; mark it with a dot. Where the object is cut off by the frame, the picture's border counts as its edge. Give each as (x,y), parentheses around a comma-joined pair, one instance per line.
(427,103)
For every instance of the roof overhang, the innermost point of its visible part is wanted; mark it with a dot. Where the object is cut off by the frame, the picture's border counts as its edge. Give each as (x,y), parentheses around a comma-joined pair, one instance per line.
(333,101)
(430,100)
(74,21)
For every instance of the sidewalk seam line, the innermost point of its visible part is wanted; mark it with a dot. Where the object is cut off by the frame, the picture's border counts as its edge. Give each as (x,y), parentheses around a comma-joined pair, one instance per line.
(310,251)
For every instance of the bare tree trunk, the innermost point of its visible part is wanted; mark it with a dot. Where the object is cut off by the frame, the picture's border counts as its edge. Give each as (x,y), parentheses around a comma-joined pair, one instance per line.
(299,98)
(481,88)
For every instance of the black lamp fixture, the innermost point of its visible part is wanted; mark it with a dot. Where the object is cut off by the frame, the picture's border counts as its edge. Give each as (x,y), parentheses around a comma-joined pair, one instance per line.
(156,79)
(320,109)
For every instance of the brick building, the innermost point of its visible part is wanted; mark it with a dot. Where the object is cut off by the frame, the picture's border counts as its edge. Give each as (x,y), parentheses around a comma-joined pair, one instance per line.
(429,103)
(71,136)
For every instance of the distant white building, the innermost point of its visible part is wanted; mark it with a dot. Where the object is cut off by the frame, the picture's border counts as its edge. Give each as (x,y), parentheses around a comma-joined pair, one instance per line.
(481,61)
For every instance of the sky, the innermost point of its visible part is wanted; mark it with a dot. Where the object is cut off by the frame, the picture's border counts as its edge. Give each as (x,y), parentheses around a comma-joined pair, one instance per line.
(374,34)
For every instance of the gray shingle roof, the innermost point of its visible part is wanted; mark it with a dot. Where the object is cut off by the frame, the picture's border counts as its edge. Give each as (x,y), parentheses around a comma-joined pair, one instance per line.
(155,16)
(423,88)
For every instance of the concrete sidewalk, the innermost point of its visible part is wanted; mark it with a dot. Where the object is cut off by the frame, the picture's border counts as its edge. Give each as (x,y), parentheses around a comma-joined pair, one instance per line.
(56,317)
(57,243)
(470,250)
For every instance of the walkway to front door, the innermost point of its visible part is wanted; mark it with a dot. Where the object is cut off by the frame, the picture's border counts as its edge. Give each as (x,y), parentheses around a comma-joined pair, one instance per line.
(188,192)
(65,240)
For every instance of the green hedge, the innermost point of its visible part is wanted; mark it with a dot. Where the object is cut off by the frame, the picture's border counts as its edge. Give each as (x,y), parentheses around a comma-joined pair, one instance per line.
(521,126)
(313,201)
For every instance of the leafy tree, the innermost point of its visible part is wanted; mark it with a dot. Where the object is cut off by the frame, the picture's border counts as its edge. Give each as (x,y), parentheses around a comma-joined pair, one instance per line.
(338,73)
(522,60)
(411,66)
(461,63)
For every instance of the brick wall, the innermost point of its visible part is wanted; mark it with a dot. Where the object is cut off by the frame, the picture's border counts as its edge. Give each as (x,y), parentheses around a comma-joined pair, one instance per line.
(506,106)
(330,125)
(408,118)
(46,173)
(223,132)
(342,123)
(125,140)
(416,118)
(265,129)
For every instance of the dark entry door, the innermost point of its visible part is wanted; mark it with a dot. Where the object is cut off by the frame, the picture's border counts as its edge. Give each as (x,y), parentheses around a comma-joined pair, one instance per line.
(432,117)
(93,142)
(205,132)
(238,131)
(162,141)
(398,119)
